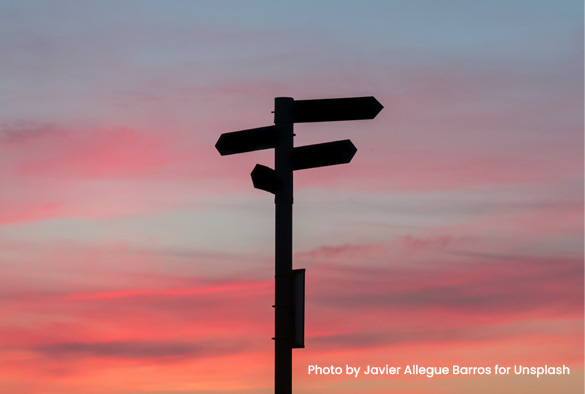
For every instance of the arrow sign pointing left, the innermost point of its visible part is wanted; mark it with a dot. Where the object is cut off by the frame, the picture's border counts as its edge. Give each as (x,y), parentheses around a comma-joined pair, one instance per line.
(265,178)
(320,155)
(247,140)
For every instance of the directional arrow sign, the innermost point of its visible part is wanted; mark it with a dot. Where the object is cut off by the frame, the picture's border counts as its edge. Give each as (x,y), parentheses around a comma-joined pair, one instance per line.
(247,140)
(265,178)
(320,155)
(328,110)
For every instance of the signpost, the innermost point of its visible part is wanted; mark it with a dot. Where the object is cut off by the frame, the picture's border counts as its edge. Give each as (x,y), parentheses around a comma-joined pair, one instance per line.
(289,283)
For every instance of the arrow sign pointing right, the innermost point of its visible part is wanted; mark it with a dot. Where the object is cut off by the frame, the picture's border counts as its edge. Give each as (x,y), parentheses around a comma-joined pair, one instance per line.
(320,155)
(327,110)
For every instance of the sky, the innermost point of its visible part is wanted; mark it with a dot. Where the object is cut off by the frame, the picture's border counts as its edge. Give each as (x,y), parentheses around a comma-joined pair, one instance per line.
(134,259)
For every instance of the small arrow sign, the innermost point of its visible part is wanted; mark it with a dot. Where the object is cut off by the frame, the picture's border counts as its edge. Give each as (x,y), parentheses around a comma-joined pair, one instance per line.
(320,155)
(265,178)
(328,110)
(247,140)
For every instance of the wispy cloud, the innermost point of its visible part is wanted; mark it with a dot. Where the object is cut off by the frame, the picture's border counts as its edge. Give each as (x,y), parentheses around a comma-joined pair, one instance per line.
(136,349)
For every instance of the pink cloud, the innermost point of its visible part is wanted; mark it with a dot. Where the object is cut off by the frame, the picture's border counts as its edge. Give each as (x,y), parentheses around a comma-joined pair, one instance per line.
(414,168)
(89,154)
(198,326)
(92,173)
(169,292)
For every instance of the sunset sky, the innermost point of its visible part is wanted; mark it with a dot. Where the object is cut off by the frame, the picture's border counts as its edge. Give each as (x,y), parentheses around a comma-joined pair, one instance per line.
(134,259)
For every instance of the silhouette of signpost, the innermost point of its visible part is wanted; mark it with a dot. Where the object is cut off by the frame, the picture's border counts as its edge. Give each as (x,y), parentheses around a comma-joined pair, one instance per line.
(290,284)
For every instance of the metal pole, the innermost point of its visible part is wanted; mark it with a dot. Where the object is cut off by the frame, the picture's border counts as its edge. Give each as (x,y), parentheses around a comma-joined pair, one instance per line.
(284,298)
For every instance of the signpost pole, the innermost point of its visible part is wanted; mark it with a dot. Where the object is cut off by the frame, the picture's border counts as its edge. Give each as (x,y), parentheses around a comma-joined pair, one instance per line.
(290,284)
(284,297)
